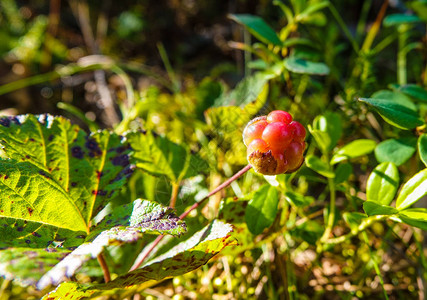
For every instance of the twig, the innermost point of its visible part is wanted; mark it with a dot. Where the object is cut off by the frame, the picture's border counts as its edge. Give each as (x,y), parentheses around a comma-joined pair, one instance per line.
(104,267)
(222,186)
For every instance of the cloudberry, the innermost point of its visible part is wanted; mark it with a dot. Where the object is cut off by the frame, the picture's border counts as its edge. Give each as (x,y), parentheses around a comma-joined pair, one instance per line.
(275,143)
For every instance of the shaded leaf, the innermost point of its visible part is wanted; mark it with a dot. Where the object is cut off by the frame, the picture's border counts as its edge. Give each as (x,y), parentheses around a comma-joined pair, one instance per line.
(373,208)
(395,96)
(383,183)
(342,172)
(397,151)
(316,164)
(258,28)
(262,209)
(354,219)
(124,225)
(299,65)
(422,148)
(298,200)
(27,265)
(415,217)
(394,113)
(399,19)
(413,90)
(354,149)
(412,190)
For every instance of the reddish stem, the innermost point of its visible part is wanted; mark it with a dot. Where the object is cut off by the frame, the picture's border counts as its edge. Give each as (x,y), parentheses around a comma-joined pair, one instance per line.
(222,186)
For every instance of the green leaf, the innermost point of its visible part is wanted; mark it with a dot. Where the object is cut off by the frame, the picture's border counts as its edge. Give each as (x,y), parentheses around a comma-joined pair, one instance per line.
(69,175)
(262,209)
(342,173)
(397,151)
(126,224)
(395,96)
(413,90)
(354,149)
(415,217)
(258,28)
(422,148)
(27,265)
(394,113)
(316,164)
(373,208)
(354,219)
(183,258)
(246,91)
(420,8)
(311,9)
(383,183)
(327,130)
(299,65)
(412,190)
(298,200)
(399,19)
(309,231)
(159,156)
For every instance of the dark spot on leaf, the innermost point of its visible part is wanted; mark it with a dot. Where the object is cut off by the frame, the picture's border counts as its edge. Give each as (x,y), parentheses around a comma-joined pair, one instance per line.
(84,203)
(28,241)
(44,174)
(109,221)
(102,193)
(27,156)
(50,138)
(94,192)
(51,249)
(36,234)
(73,184)
(77,152)
(20,228)
(121,160)
(6,177)
(81,236)
(93,147)
(120,149)
(99,174)
(30,210)
(72,248)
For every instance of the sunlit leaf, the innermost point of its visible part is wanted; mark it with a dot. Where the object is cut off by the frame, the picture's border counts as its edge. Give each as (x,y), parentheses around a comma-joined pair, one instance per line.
(262,209)
(394,113)
(354,149)
(422,148)
(298,200)
(415,217)
(383,183)
(316,164)
(124,225)
(397,151)
(258,28)
(412,190)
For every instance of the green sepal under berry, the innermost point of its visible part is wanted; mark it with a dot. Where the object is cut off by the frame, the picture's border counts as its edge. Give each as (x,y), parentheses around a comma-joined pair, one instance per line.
(125,224)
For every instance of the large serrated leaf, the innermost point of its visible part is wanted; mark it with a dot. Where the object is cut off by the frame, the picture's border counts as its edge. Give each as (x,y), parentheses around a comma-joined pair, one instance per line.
(394,113)
(27,265)
(159,156)
(183,258)
(124,225)
(69,174)
(258,28)
(383,183)
(412,190)
(354,149)
(262,209)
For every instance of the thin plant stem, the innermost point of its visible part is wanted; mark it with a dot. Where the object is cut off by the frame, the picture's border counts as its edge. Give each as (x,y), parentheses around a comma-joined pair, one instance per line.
(104,267)
(331,214)
(222,186)
(174,195)
(401,55)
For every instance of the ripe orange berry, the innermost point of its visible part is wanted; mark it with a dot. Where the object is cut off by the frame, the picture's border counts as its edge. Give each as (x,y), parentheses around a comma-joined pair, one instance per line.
(254,130)
(279,116)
